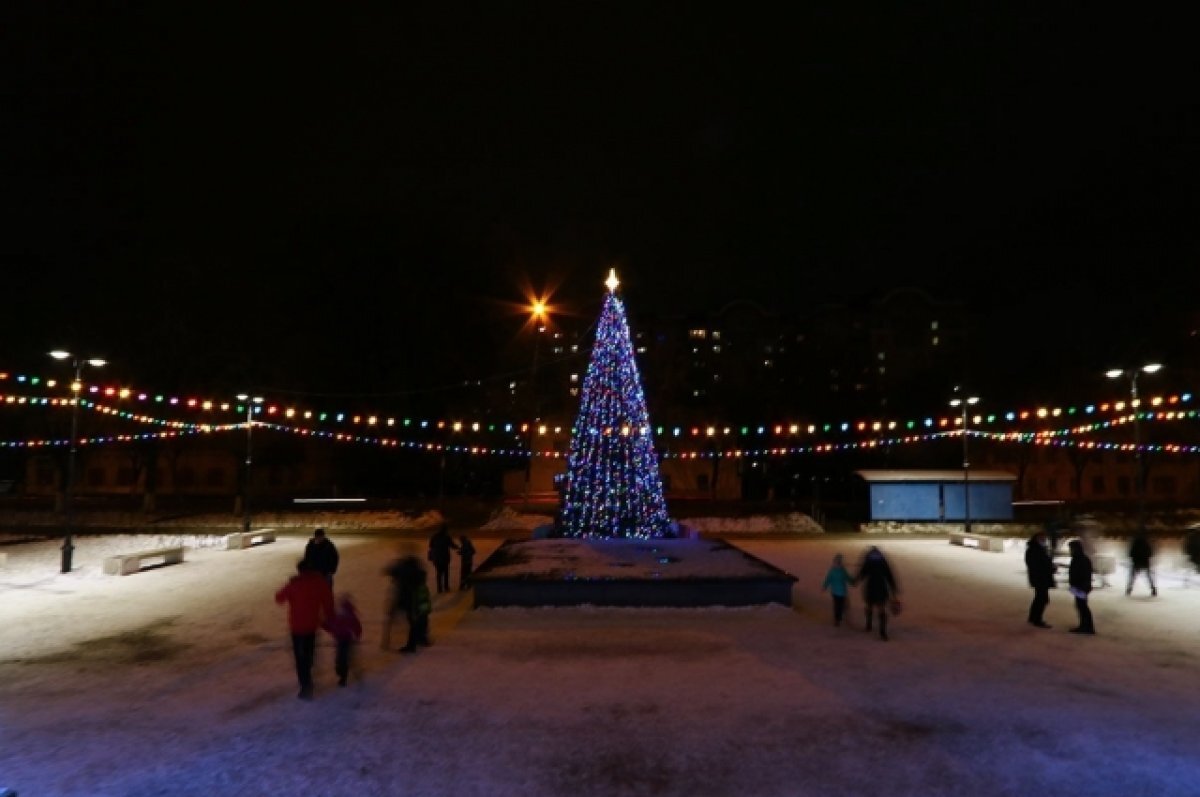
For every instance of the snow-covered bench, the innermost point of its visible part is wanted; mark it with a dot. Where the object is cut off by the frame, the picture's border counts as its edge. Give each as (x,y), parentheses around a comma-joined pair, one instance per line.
(984,542)
(125,563)
(246,539)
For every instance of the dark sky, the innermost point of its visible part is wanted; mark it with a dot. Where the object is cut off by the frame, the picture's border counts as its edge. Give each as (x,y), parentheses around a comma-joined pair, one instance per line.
(344,201)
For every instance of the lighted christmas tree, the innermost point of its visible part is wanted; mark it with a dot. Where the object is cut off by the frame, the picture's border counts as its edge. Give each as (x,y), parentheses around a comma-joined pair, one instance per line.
(613,485)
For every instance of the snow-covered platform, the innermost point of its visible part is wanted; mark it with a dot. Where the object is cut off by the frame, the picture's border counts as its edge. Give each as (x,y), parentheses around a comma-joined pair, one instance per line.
(627,572)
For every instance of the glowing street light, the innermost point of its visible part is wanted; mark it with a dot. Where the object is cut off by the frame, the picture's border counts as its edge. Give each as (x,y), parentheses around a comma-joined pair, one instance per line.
(965,402)
(539,312)
(1134,401)
(250,402)
(77,363)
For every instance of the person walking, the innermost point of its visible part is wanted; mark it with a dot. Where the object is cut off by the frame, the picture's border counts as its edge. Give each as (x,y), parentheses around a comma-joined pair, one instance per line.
(879,588)
(310,604)
(410,597)
(838,581)
(323,554)
(346,628)
(1041,569)
(1079,576)
(1140,553)
(440,545)
(467,551)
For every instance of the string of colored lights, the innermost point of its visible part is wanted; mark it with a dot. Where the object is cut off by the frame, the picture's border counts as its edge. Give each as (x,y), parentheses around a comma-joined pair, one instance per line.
(373,419)
(15,399)
(1031,438)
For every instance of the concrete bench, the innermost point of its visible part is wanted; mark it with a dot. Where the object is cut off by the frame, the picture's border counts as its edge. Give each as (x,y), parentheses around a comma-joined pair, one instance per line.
(983,542)
(126,563)
(246,539)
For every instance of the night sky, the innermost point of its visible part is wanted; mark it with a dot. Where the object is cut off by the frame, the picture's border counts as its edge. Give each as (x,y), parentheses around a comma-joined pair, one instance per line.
(348,202)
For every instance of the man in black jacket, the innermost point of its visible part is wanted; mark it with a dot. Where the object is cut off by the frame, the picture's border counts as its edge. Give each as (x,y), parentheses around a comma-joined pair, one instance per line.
(1041,577)
(322,554)
(1079,576)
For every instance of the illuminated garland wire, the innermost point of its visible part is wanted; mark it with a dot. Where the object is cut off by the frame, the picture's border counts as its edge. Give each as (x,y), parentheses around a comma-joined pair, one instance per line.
(519,452)
(692,430)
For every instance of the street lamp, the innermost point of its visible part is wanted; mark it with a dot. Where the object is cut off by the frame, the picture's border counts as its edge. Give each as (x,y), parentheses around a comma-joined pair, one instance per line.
(77,363)
(250,402)
(538,311)
(964,402)
(1139,477)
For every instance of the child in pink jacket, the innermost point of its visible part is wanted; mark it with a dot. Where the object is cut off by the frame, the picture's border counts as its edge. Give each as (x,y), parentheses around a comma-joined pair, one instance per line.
(346,629)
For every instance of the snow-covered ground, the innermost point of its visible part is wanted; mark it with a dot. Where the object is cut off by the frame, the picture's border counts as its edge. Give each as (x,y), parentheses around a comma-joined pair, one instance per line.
(178,681)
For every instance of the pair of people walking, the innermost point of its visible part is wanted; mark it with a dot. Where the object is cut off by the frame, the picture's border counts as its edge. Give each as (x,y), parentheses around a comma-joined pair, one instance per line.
(309,599)
(880,592)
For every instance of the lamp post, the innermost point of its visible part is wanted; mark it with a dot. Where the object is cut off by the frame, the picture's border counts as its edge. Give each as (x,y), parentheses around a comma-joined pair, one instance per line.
(250,402)
(538,311)
(1134,401)
(77,363)
(965,401)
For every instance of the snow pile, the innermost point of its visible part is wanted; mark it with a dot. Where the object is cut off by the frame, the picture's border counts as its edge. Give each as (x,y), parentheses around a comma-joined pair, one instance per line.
(789,523)
(507,518)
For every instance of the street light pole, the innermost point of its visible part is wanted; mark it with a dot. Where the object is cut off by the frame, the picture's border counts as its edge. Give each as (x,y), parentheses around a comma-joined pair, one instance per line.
(1139,475)
(250,402)
(68,546)
(965,402)
(538,309)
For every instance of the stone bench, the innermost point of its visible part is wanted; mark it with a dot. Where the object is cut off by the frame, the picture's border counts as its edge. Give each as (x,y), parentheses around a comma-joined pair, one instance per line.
(247,539)
(126,563)
(983,542)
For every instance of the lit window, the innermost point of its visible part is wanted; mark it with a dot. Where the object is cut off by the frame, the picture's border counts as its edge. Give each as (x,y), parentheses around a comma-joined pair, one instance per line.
(716,377)
(882,355)
(716,334)
(574,377)
(717,349)
(935,340)
(574,349)
(699,334)
(767,363)
(934,326)
(641,350)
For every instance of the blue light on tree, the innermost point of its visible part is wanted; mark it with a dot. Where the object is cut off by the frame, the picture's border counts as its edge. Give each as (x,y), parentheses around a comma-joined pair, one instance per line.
(613,485)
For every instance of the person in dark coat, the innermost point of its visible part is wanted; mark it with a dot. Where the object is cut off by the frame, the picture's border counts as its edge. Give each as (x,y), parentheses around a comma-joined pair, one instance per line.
(1140,553)
(1079,576)
(310,606)
(1041,577)
(879,588)
(323,554)
(440,545)
(410,597)
(1191,547)
(467,551)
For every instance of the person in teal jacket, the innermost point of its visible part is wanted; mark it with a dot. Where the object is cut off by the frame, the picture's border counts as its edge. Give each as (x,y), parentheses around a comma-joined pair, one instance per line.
(838,581)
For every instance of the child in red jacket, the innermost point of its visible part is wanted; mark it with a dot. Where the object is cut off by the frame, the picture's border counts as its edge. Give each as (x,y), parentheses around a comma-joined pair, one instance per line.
(347,631)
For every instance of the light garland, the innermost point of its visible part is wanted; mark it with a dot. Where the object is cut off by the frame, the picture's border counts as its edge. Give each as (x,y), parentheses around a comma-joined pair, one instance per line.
(707,430)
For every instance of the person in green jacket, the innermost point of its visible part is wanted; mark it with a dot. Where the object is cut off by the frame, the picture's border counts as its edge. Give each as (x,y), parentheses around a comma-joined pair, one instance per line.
(838,581)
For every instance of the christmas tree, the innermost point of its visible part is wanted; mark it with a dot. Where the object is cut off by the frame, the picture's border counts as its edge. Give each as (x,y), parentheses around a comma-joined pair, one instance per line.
(613,485)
